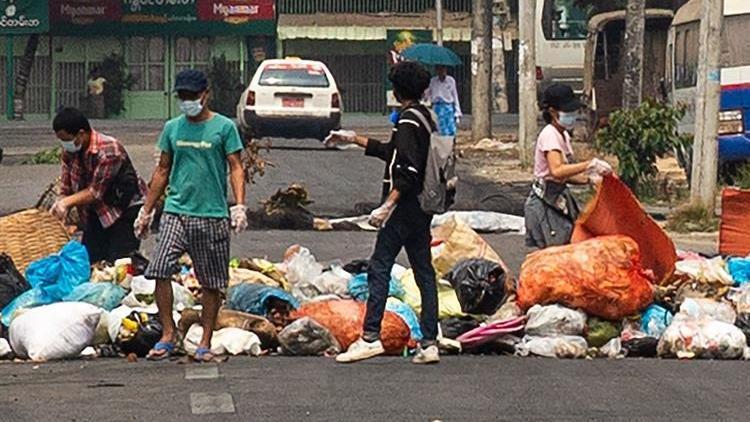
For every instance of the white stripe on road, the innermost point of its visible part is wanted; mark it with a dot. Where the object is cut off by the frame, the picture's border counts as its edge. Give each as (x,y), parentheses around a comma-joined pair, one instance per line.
(207,404)
(200,372)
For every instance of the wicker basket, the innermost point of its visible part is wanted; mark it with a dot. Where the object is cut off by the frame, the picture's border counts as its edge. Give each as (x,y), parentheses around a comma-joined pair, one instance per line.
(31,235)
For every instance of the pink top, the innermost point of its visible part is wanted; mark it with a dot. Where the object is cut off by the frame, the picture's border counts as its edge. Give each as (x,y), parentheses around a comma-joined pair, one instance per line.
(550,139)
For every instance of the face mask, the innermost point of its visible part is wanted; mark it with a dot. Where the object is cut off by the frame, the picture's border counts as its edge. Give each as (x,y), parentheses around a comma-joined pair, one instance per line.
(567,120)
(70,146)
(191,108)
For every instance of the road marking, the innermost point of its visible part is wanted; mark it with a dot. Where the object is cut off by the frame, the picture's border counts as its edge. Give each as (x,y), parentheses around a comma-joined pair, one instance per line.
(200,372)
(207,404)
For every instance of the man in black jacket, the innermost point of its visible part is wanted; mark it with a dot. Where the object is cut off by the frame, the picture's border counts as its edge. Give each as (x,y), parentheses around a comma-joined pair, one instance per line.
(401,220)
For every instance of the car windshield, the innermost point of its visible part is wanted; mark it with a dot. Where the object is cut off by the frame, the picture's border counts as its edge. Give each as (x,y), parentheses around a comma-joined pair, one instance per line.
(309,76)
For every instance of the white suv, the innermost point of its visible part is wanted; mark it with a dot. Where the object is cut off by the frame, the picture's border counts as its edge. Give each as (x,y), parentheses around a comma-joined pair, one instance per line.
(290,98)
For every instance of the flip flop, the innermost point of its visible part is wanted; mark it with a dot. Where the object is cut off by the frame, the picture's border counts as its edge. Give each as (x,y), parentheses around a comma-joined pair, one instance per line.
(203,355)
(161,350)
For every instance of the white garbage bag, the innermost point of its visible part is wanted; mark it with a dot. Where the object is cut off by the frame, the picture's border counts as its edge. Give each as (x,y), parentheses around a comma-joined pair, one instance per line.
(141,296)
(233,341)
(5,350)
(57,331)
(563,347)
(702,338)
(554,320)
(707,308)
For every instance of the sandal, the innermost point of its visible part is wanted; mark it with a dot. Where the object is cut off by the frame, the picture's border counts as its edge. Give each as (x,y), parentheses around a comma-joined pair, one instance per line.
(161,350)
(203,355)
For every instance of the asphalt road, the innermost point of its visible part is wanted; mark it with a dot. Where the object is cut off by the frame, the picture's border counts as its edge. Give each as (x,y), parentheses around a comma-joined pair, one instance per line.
(464,388)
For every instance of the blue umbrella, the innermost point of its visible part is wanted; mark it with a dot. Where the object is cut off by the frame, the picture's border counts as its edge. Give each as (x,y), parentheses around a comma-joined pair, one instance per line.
(431,54)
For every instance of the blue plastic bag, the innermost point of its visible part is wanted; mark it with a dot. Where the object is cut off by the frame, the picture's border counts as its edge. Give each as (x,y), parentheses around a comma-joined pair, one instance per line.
(739,268)
(51,279)
(253,298)
(407,314)
(359,290)
(104,295)
(655,320)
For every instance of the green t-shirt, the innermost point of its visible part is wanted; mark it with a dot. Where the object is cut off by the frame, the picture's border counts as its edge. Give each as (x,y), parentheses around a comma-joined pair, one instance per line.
(198,180)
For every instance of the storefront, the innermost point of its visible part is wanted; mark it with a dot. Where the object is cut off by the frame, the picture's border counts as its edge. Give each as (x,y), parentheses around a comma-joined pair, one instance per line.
(157,39)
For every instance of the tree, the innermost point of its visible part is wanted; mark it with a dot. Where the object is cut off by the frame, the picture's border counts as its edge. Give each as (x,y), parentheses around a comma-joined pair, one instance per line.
(635,28)
(23,75)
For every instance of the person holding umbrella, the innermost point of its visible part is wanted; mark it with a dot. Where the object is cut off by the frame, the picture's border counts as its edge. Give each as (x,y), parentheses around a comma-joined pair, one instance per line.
(443,95)
(442,91)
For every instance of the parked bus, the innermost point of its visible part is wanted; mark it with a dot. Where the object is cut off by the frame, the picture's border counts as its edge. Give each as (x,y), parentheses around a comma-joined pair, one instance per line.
(682,71)
(560,40)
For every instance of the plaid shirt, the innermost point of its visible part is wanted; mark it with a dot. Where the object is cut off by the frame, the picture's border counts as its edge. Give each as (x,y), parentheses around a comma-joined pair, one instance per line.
(94,170)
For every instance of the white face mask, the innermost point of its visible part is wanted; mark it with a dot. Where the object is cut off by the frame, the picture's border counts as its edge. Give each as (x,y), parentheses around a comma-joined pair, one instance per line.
(70,146)
(191,108)
(567,120)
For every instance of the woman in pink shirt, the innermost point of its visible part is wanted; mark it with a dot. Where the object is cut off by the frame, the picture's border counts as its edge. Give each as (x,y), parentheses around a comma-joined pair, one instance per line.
(551,210)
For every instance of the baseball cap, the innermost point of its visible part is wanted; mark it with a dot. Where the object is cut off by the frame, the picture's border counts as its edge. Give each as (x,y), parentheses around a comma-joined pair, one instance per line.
(561,97)
(191,80)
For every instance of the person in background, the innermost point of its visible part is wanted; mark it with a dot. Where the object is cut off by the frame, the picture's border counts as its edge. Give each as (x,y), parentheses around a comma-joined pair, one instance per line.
(550,210)
(196,148)
(402,222)
(443,95)
(98,178)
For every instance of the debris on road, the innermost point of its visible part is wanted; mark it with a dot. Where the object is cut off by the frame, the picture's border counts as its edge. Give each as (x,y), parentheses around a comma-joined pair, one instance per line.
(597,298)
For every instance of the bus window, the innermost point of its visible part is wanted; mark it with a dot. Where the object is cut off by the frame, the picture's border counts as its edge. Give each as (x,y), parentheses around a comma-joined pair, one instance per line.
(562,20)
(736,48)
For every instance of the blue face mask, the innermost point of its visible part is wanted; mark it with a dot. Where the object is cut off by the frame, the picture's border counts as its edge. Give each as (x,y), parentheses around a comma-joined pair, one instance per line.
(567,120)
(70,146)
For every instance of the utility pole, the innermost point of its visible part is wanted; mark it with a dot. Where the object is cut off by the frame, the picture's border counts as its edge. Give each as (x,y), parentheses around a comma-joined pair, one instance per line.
(635,23)
(439,14)
(528,109)
(481,69)
(708,92)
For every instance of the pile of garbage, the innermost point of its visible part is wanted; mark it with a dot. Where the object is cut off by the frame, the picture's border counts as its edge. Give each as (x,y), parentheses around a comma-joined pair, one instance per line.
(591,299)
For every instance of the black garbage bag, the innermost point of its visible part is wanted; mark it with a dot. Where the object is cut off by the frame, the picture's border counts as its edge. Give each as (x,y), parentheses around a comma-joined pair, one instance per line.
(139,263)
(12,283)
(743,323)
(479,285)
(148,334)
(358,266)
(306,337)
(452,328)
(643,347)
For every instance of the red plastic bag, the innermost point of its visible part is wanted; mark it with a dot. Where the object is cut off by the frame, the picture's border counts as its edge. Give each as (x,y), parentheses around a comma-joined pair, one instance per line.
(734,237)
(615,210)
(344,318)
(602,276)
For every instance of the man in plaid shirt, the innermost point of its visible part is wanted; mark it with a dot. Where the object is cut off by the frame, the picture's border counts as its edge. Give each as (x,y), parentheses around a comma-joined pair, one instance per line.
(98,179)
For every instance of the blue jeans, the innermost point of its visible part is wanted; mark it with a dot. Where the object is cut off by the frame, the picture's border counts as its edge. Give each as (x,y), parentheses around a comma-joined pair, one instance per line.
(408,228)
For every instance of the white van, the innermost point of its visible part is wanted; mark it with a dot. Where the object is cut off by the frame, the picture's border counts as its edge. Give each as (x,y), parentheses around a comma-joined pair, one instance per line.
(561,29)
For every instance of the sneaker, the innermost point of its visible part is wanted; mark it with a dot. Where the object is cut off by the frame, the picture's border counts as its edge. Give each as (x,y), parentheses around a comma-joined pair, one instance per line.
(361,350)
(429,355)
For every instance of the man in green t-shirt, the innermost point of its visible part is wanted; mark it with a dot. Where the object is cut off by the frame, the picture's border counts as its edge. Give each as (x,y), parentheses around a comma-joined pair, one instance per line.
(195,149)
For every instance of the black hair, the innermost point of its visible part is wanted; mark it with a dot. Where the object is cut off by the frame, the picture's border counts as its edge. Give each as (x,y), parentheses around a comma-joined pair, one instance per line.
(546,113)
(70,120)
(410,80)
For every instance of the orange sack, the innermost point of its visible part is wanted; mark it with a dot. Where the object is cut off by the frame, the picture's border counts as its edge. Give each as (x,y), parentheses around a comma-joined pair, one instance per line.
(344,318)
(602,276)
(615,210)
(734,237)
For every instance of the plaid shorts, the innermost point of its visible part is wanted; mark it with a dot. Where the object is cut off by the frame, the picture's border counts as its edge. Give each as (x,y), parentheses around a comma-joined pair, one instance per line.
(206,240)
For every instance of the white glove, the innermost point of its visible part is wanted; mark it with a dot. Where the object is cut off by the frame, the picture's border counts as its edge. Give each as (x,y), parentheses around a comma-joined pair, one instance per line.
(458,119)
(380,215)
(59,209)
(599,167)
(238,215)
(142,224)
(337,137)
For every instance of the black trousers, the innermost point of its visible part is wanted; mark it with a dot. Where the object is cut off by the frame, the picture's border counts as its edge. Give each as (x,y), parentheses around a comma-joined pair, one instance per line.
(115,242)
(408,227)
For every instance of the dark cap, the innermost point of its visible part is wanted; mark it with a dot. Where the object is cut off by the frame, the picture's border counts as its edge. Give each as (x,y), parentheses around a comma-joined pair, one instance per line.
(561,97)
(191,80)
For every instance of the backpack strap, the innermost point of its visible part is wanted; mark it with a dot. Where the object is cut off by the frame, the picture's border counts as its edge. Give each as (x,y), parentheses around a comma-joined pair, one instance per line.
(422,119)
